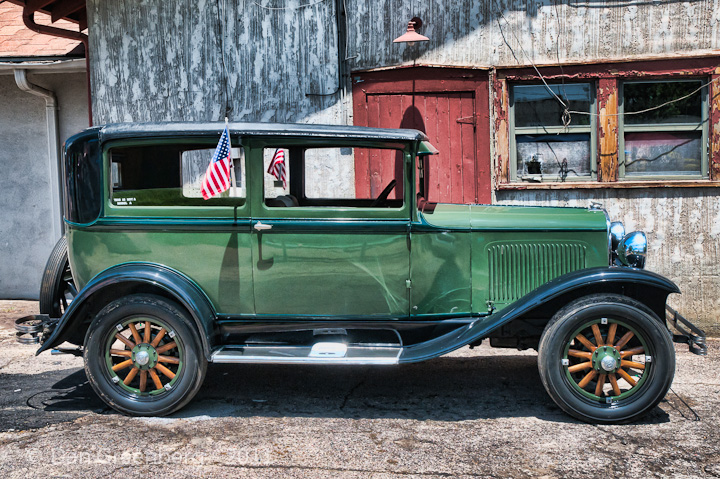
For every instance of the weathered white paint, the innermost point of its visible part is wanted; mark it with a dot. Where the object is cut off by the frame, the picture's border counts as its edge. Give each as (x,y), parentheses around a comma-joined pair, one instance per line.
(511,32)
(172,60)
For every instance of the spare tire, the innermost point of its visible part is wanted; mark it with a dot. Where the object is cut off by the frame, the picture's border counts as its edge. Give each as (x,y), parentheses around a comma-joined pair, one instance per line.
(57,289)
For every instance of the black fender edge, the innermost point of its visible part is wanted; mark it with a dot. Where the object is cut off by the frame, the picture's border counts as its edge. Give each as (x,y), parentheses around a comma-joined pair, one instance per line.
(482,326)
(178,286)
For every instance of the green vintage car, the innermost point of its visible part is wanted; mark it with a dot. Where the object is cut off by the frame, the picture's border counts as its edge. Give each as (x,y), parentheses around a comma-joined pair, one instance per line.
(346,261)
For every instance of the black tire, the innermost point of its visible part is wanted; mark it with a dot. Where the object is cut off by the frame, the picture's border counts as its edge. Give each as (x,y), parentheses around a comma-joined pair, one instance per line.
(103,352)
(563,359)
(57,288)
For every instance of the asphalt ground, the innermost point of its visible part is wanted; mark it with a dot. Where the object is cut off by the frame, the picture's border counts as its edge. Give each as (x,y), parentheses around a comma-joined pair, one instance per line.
(475,413)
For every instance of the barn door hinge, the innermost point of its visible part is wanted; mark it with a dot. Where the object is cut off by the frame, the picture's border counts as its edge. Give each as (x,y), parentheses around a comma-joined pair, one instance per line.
(408,284)
(472,120)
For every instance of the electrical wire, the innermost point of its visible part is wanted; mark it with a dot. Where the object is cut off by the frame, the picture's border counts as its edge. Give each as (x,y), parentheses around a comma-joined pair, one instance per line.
(567,112)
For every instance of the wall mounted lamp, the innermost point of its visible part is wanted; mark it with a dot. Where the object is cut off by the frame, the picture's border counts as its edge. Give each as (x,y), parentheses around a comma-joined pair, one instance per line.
(411,36)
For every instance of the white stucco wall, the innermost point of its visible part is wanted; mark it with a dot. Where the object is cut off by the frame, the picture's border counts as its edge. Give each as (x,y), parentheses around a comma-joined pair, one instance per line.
(26,229)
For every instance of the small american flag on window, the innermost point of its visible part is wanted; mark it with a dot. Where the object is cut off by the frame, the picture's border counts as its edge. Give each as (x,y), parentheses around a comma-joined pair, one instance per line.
(217,176)
(277,166)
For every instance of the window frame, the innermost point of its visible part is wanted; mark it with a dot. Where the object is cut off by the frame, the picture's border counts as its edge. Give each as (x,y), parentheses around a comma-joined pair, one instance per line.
(315,213)
(171,211)
(515,130)
(665,127)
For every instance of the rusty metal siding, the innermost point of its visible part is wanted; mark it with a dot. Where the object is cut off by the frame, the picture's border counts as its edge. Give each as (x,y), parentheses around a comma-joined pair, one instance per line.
(156,61)
(508,32)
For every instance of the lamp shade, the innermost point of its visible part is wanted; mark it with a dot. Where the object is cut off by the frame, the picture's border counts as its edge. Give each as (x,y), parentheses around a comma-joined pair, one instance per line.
(411,36)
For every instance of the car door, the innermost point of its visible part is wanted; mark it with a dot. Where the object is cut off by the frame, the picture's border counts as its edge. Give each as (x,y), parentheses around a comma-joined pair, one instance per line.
(322,247)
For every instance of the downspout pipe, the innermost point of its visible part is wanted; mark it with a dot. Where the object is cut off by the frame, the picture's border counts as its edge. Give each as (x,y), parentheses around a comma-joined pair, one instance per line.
(29,21)
(53,144)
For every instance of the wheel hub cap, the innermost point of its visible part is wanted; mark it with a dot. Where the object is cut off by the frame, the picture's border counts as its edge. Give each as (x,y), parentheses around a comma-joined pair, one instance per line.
(608,363)
(144,356)
(606,359)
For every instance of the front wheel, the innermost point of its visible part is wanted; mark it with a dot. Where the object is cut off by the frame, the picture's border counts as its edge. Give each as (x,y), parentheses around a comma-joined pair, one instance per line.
(606,359)
(143,356)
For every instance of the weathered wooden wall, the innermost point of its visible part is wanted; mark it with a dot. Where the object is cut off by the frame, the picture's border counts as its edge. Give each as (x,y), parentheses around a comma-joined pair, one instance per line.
(181,60)
(511,32)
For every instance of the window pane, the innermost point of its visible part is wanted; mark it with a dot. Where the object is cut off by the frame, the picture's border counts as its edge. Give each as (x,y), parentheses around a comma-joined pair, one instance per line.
(641,96)
(663,153)
(556,157)
(534,105)
(168,175)
(328,177)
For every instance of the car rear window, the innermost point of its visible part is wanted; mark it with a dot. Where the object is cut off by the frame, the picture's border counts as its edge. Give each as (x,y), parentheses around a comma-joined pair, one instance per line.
(169,175)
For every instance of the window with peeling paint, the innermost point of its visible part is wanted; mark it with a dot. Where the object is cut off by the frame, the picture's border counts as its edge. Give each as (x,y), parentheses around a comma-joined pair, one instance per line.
(546,143)
(664,129)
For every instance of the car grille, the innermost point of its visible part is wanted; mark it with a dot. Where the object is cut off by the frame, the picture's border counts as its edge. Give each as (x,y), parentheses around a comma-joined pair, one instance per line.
(517,268)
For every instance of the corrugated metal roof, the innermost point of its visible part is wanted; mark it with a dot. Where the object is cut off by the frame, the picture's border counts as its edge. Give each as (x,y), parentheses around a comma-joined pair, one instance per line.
(17,41)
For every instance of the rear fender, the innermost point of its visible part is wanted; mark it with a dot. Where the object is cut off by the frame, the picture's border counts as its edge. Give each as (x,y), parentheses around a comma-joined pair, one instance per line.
(596,280)
(146,277)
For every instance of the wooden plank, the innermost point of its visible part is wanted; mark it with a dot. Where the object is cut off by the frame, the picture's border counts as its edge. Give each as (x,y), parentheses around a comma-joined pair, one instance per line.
(590,185)
(501,109)
(470,177)
(714,130)
(443,140)
(454,157)
(607,144)
(483,135)
(373,171)
(360,114)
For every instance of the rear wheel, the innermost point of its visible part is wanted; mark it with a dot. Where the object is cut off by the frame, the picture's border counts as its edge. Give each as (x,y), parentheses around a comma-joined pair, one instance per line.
(606,359)
(143,356)
(57,289)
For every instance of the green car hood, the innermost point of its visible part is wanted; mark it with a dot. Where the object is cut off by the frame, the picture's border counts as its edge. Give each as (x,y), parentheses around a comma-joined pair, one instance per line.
(486,217)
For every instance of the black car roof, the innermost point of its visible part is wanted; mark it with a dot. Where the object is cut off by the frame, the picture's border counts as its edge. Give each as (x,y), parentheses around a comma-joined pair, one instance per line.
(140,130)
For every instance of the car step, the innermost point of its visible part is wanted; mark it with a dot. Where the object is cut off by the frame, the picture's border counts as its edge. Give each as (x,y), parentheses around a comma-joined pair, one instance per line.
(318,353)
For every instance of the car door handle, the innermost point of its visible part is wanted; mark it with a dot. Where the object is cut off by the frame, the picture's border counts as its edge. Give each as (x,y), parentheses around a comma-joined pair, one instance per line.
(262,226)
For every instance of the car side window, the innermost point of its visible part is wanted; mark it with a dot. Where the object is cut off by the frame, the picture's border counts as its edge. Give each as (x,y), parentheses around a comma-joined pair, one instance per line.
(334,177)
(169,175)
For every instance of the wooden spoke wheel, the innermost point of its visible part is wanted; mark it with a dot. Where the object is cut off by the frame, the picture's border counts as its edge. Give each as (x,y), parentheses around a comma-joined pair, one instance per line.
(143,356)
(606,358)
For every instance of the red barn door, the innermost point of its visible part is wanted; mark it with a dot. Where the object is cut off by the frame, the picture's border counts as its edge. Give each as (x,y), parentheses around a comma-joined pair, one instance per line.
(451,107)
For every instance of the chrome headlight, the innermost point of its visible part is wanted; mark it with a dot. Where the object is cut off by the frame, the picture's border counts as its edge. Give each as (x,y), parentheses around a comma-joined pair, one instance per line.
(617,232)
(632,249)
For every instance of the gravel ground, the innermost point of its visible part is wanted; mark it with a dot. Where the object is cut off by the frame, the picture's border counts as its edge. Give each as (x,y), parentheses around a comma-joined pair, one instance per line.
(475,413)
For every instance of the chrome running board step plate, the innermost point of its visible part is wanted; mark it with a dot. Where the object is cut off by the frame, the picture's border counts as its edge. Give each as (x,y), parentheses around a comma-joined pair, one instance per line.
(319,353)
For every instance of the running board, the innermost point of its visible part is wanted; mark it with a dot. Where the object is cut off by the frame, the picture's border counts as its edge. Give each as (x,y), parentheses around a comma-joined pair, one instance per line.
(319,353)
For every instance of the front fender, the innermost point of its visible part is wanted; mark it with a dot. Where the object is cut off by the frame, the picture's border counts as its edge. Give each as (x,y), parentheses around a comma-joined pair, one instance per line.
(176,285)
(599,278)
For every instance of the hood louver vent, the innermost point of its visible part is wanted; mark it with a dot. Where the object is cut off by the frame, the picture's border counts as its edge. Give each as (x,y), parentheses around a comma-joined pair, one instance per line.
(518,268)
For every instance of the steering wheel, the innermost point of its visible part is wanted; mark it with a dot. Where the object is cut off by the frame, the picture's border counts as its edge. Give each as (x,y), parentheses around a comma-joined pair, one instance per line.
(382,198)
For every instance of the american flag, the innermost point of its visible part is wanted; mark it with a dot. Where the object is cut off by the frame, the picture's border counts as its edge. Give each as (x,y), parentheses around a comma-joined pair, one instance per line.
(277,166)
(217,176)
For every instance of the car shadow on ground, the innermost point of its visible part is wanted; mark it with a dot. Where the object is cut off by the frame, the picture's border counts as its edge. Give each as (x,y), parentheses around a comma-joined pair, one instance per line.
(443,389)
